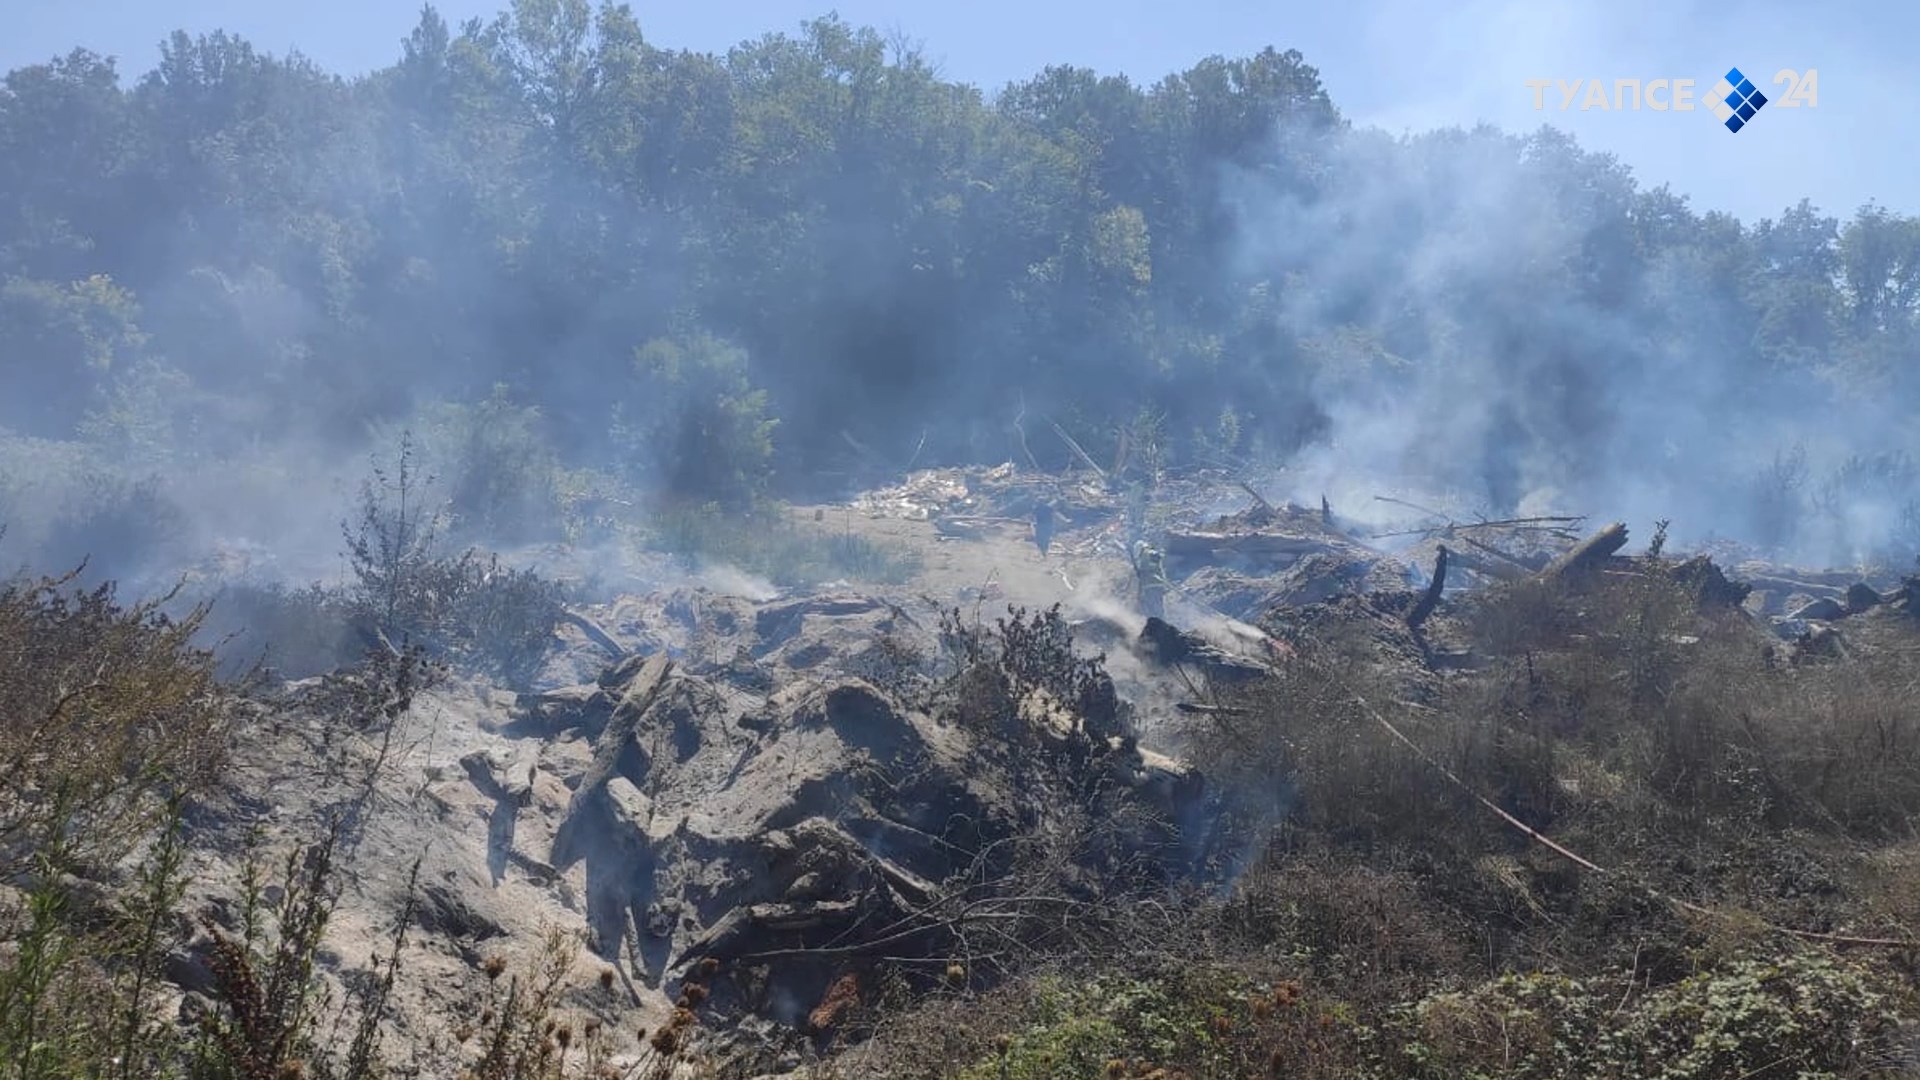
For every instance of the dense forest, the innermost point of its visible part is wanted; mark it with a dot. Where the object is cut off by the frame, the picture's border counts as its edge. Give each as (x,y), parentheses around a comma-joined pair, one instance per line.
(580,264)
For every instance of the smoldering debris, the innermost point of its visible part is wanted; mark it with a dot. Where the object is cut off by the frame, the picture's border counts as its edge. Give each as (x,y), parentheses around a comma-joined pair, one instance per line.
(796,798)
(767,788)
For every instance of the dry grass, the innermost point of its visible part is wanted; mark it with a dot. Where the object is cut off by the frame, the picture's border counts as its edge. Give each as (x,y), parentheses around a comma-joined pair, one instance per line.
(1669,741)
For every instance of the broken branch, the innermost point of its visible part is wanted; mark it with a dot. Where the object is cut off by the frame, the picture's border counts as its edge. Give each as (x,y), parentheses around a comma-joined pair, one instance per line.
(1077,451)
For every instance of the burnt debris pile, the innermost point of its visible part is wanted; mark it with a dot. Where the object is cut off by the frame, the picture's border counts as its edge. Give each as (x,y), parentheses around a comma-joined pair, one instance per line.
(814,795)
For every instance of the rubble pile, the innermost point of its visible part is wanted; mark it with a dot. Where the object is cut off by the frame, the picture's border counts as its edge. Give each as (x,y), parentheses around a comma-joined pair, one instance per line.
(764,790)
(1270,558)
(750,799)
(967,500)
(1097,512)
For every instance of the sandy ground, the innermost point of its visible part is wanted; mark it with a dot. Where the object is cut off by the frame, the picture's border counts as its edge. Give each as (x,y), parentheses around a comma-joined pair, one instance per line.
(1003,562)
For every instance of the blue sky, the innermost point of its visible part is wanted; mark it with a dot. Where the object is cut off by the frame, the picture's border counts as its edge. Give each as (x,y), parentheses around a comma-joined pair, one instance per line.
(1403,65)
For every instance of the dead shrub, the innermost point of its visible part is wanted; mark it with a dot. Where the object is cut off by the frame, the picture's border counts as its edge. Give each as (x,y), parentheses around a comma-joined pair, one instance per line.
(466,608)
(1690,707)
(103,709)
(1304,747)
(996,676)
(296,633)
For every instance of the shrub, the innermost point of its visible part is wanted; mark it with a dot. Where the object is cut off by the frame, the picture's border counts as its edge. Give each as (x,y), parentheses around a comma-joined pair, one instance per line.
(490,617)
(1199,1020)
(1808,1009)
(111,721)
(1301,747)
(696,424)
(296,633)
(79,983)
(389,547)
(1808,1013)
(117,524)
(995,672)
(467,608)
(502,479)
(103,709)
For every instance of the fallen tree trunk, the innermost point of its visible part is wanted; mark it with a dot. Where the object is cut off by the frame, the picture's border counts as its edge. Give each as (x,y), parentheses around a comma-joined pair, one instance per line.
(1588,554)
(1197,709)
(1078,452)
(1431,598)
(1211,545)
(634,701)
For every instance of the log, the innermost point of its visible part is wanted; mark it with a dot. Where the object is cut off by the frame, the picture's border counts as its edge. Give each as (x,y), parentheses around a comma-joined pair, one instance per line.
(1485,567)
(1209,545)
(1789,586)
(956,529)
(1197,709)
(1431,598)
(594,633)
(633,703)
(1589,553)
(1709,586)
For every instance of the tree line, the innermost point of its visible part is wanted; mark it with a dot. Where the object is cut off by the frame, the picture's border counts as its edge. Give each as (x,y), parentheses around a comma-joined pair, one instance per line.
(814,256)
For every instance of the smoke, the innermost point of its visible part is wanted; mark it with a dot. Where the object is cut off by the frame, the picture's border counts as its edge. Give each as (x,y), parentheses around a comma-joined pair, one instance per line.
(732,581)
(1468,319)
(1490,331)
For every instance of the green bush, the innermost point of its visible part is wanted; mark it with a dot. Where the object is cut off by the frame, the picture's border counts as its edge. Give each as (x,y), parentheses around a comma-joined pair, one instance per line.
(1806,1015)
(695,424)
(502,480)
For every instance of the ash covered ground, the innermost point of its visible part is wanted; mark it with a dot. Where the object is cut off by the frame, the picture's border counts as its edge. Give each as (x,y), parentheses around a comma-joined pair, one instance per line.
(816,806)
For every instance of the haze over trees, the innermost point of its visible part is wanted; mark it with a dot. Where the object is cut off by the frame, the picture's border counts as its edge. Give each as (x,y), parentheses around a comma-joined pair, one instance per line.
(813,260)
(561,284)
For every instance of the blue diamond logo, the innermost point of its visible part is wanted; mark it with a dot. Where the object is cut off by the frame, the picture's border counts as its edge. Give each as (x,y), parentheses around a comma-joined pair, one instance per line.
(1735,100)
